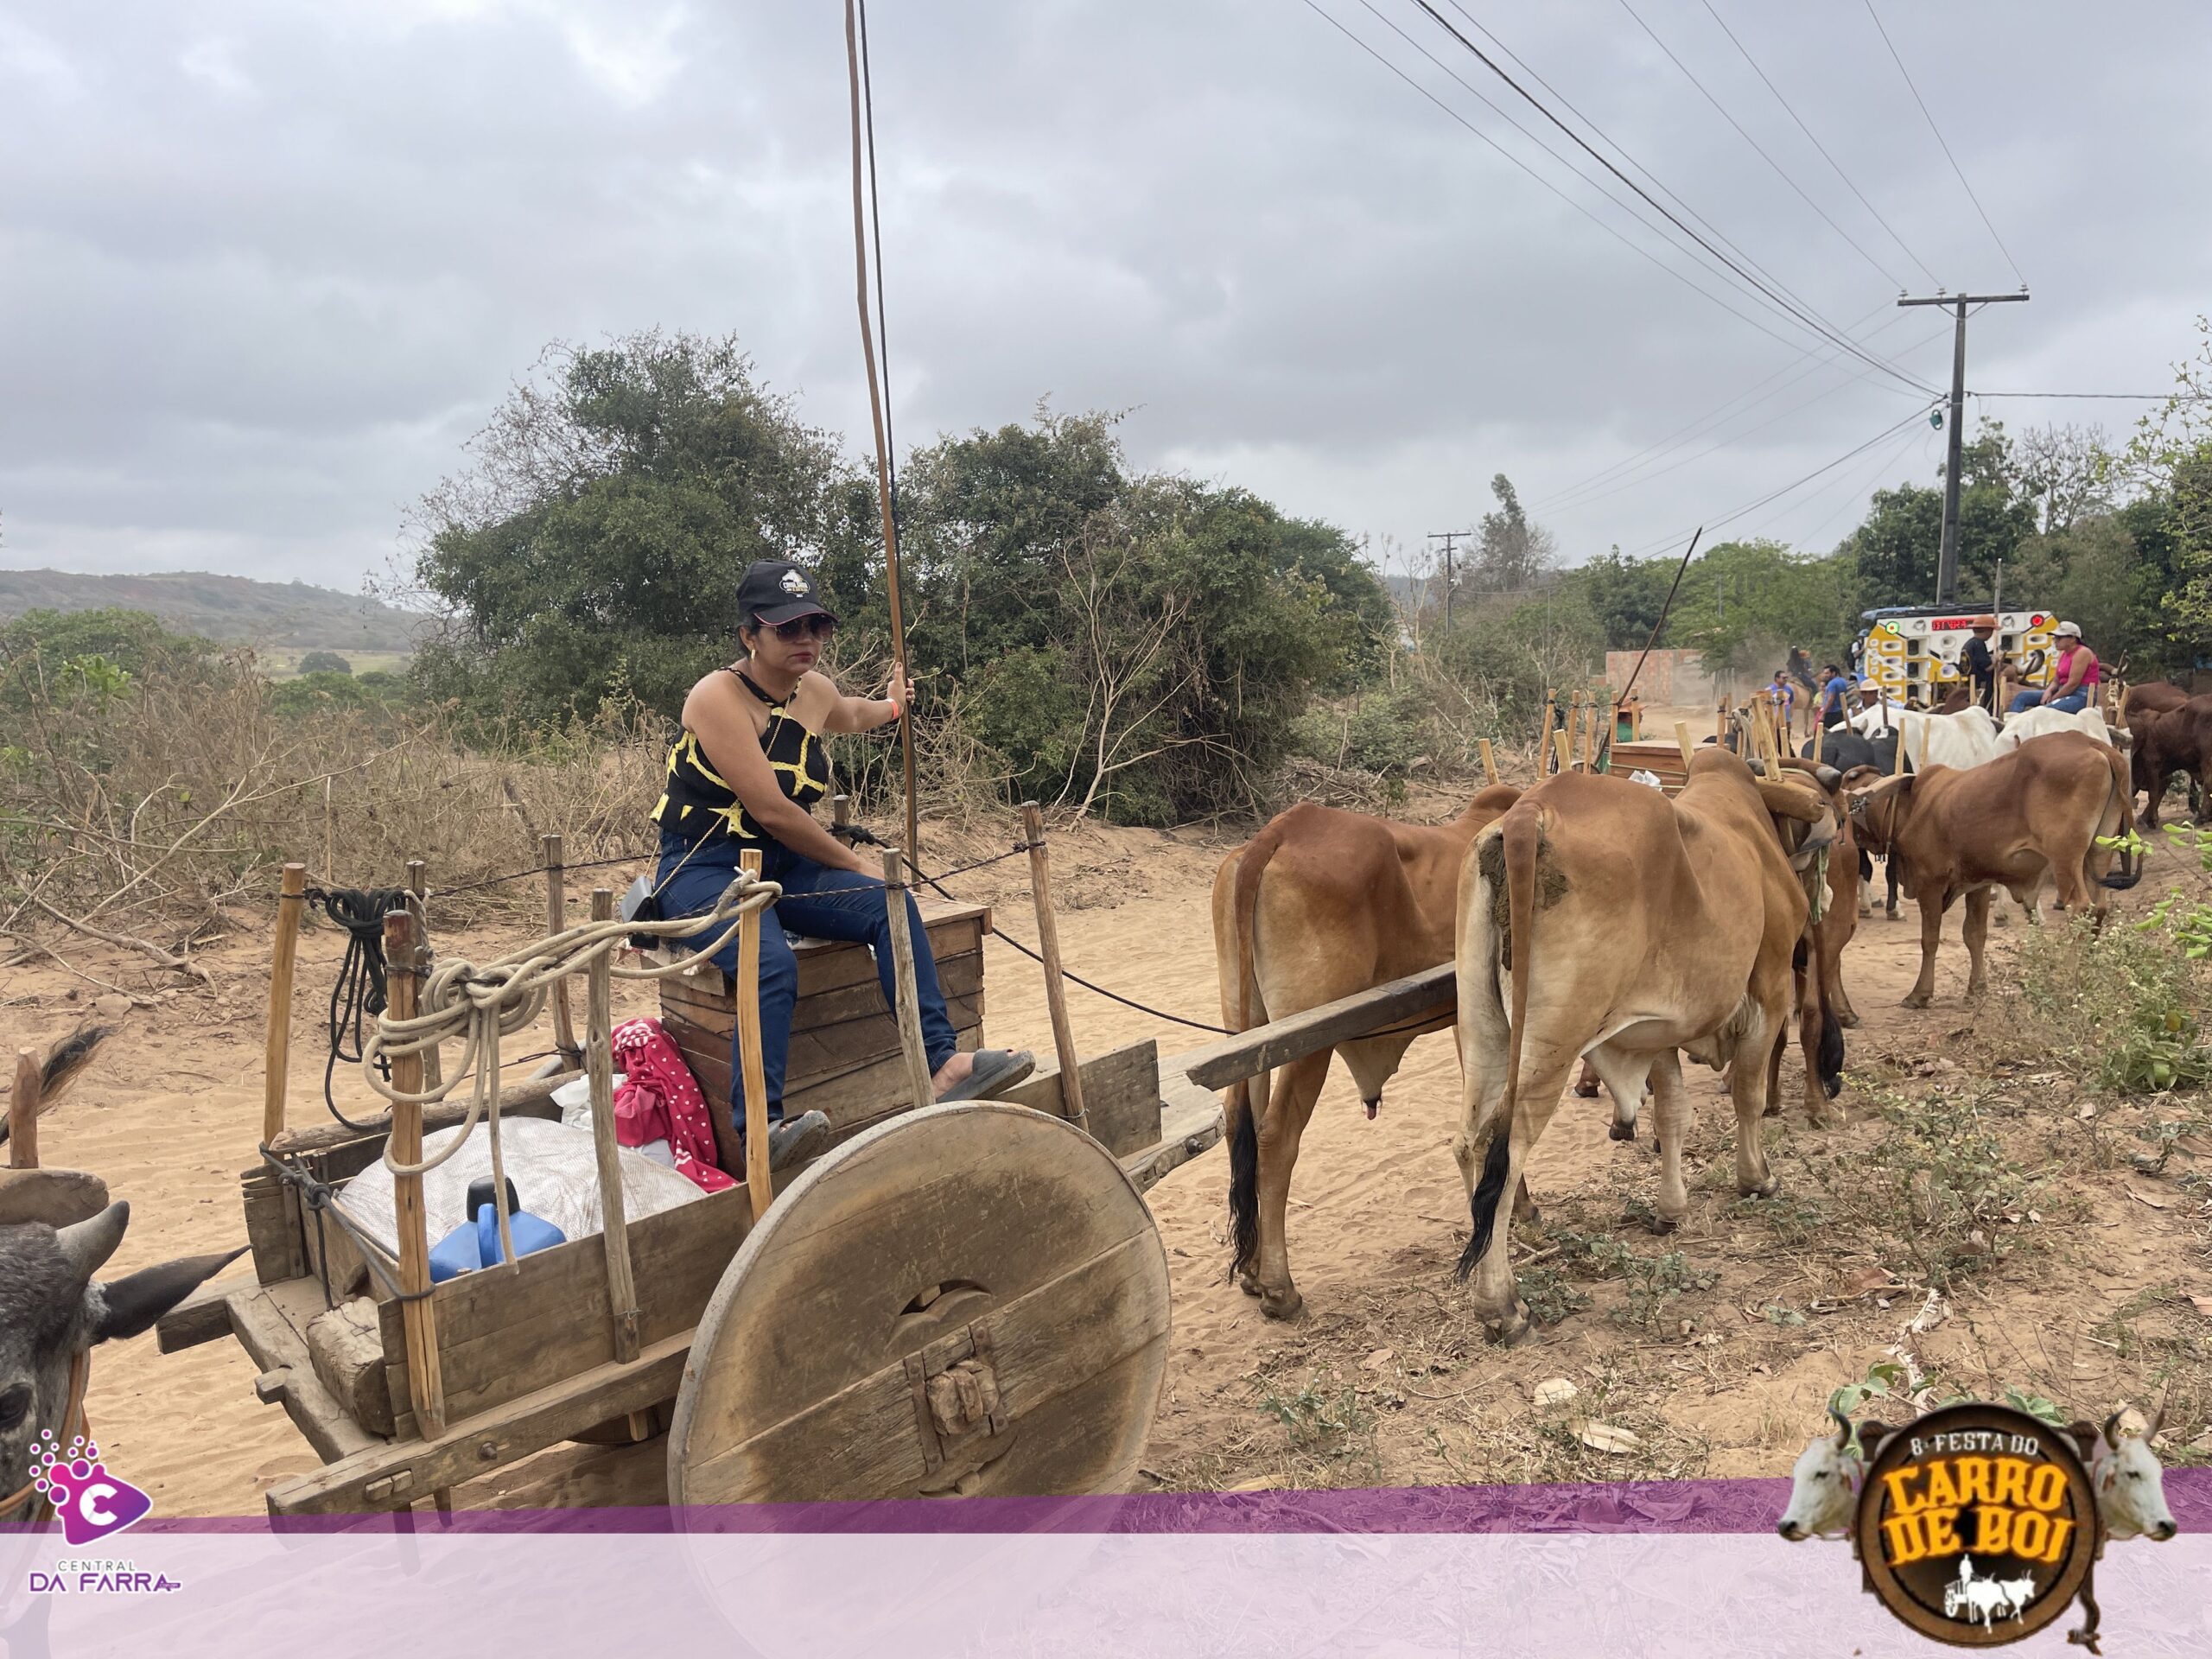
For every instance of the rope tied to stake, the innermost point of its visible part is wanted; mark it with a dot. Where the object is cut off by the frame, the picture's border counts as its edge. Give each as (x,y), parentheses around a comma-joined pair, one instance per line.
(478,1006)
(359,994)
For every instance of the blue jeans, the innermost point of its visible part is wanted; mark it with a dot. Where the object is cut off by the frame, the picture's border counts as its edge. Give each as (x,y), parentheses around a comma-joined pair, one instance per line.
(818,902)
(2073,705)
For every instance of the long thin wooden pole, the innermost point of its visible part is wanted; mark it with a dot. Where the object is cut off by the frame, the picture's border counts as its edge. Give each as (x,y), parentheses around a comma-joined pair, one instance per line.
(329,837)
(1558,748)
(557,911)
(760,1183)
(882,445)
(1490,760)
(23,1110)
(1544,735)
(276,1049)
(1048,947)
(426,1388)
(1689,752)
(902,965)
(622,1310)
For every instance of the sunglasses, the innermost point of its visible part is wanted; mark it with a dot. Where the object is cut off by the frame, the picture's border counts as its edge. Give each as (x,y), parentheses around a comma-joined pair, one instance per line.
(816,627)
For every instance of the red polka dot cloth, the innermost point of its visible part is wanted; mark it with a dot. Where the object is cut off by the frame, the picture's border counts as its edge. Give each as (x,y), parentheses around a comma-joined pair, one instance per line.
(649,1061)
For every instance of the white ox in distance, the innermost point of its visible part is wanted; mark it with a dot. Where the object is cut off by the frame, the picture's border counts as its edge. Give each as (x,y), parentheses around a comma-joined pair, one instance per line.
(2040,721)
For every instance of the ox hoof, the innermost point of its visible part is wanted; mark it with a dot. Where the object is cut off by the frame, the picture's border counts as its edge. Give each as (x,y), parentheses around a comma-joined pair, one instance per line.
(1917,999)
(1617,1131)
(1585,1090)
(1287,1305)
(1247,1283)
(1849,1019)
(1766,1188)
(1512,1330)
(1373,1107)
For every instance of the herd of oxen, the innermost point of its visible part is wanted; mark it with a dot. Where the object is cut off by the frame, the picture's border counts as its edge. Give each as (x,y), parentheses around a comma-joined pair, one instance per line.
(1597,922)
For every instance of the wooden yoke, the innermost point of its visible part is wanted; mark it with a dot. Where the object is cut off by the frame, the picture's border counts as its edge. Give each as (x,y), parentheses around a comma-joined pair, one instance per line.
(1048,947)
(404,967)
(276,1049)
(752,1068)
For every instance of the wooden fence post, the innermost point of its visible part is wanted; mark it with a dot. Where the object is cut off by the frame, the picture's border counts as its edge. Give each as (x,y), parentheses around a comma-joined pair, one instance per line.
(902,960)
(1048,947)
(276,1042)
(557,911)
(23,1110)
(760,1181)
(404,962)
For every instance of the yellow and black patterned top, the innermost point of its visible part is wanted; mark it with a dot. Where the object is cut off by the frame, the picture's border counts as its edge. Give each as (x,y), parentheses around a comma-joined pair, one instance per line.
(696,803)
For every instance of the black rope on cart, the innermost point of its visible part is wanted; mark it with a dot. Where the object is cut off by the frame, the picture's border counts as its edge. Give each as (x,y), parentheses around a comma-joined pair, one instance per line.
(359,995)
(317,1198)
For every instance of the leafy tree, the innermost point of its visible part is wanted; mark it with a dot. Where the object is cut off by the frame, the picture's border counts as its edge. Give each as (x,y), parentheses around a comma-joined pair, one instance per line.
(1743,602)
(324,661)
(615,499)
(1511,555)
(1625,596)
(1897,547)
(2172,454)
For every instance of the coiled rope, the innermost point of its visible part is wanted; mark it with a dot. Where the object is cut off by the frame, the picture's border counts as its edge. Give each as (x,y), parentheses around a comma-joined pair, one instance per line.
(479,1005)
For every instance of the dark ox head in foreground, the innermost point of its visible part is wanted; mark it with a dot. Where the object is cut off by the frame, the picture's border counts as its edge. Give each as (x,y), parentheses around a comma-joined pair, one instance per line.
(52,1310)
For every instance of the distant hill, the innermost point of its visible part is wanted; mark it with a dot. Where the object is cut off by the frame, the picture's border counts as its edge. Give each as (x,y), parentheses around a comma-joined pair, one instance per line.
(232,610)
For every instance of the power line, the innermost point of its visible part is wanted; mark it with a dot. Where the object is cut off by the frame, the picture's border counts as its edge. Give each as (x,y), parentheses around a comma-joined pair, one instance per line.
(1583,116)
(1816,144)
(1742,132)
(1613,230)
(1940,140)
(1729,443)
(2117,396)
(1577,494)
(1809,319)
(1774,495)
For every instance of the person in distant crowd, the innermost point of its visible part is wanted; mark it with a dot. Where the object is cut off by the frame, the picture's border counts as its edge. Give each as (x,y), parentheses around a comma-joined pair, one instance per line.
(744,774)
(2074,677)
(1782,695)
(1980,664)
(1800,669)
(1835,696)
(1875,712)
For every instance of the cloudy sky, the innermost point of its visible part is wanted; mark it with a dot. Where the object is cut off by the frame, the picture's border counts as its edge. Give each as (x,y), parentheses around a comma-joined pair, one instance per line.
(263,268)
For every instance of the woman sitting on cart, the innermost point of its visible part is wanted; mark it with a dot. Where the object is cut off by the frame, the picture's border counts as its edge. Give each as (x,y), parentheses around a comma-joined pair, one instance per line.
(743,776)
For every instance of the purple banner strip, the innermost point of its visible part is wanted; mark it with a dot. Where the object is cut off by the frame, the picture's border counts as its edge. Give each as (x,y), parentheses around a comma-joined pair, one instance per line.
(1635,1506)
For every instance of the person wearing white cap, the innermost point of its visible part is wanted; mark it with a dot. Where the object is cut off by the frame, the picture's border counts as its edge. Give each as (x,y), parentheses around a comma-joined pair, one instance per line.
(2074,678)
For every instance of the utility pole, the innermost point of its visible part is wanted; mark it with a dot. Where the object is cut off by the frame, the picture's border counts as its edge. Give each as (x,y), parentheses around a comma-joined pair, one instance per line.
(1450,538)
(1947,559)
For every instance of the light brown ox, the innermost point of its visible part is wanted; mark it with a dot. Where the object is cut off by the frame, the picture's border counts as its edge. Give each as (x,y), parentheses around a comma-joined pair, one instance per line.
(2034,813)
(1323,903)
(1622,925)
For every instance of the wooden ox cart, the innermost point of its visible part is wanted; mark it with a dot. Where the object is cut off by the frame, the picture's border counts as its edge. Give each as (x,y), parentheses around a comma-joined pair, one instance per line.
(965,1298)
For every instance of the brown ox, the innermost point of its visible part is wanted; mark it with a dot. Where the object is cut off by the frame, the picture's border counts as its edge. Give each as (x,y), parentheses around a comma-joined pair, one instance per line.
(1323,903)
(2035,812)
(1629,926)
(2171,741)
(2151,698)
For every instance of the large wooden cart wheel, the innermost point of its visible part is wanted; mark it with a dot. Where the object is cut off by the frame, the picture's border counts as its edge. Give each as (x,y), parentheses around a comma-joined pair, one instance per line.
(970,1298)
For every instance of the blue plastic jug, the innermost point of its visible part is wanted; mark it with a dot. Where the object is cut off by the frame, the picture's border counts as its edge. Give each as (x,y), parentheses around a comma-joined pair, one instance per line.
(476,1243)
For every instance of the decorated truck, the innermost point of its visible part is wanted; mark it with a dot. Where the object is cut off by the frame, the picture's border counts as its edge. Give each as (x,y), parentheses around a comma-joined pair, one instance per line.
(1912,650)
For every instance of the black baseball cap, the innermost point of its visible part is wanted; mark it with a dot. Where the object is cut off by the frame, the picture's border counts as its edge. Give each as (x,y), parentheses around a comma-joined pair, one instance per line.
(776,591)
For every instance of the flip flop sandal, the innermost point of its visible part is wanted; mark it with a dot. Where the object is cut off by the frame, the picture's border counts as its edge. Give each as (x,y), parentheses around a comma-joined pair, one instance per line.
(996,1071)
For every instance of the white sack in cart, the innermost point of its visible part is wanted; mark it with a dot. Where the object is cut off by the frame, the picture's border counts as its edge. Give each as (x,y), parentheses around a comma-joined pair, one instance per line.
(555,1169)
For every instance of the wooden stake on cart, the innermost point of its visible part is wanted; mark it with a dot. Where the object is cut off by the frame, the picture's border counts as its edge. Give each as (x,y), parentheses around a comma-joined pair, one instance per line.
(405,962)
(1682,737)
(909,1011)
(277,1050)
(329,837)
(1544,733)
(1490,760)
(1558,748)
(418,896)
(22,1111)
(622,1309)
(760,1184)
(1590,736)
(556,912)
(1720,721)
(1056,993)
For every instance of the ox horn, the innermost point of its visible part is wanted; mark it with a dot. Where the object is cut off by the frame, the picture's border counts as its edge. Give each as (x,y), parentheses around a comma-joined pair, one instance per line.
(2112,1427)
(86,1245)
(1843,1430)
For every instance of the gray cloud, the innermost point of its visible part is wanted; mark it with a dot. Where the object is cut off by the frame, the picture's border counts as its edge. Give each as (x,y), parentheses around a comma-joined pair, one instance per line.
(264,267)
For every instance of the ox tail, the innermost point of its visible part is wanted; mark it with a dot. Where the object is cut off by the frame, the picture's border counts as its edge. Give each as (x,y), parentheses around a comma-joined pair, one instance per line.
(1827,1054)
(1248,1097)
(2123,789)
(1521,833)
